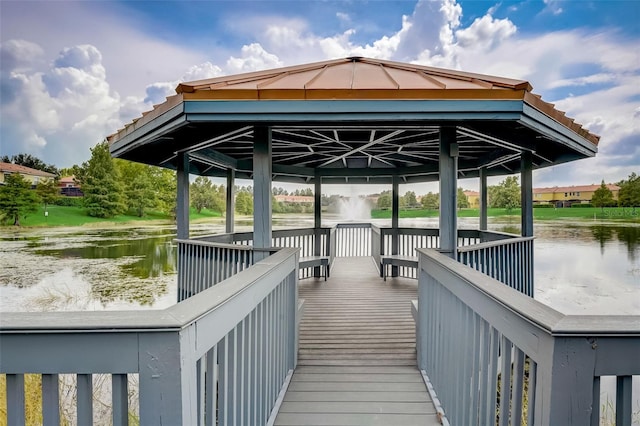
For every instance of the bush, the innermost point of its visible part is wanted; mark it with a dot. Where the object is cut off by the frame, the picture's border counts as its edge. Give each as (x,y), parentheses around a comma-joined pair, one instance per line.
(543,206)
(582,206)
(69,201)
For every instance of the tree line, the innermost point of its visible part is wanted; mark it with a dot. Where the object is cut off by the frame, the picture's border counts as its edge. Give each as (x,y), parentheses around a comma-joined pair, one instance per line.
(115,186)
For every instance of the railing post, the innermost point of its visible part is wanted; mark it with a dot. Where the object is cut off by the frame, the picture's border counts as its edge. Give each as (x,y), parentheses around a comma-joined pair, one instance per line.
(164,399)
(448,171)
(395,221)
(484,199)
(182,208)
(231,201)
(317,220)
(564,388)
(261,190)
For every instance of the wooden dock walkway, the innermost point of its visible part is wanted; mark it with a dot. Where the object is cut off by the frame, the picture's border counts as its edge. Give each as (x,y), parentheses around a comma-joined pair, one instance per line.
(357,360)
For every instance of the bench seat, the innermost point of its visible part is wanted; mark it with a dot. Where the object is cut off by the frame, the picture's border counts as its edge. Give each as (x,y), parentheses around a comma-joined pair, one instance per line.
(396,260)
(311,261)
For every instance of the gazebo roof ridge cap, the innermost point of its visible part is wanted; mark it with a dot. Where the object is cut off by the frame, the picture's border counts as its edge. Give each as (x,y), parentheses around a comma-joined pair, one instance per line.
(484,79)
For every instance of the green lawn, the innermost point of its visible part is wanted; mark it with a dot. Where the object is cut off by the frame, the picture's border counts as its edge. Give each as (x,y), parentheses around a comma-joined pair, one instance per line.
(77,216)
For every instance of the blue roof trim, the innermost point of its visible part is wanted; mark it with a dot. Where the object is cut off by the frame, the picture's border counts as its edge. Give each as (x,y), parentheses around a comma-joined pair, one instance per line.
(296,107)
(546,125)
(171,119)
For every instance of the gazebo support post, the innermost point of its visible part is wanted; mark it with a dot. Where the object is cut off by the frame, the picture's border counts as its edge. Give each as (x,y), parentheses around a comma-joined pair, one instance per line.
(448,170)
(483,199)
(526,194)
(231,201)
(261,191)
(182,200)
(395,215)
(317,219)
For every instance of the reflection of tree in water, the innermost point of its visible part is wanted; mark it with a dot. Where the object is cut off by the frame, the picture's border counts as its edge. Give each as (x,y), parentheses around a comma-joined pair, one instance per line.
(630,236)
(602,234)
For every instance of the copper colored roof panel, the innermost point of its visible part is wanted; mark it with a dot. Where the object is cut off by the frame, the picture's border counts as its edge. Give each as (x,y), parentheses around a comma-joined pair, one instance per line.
(361,78)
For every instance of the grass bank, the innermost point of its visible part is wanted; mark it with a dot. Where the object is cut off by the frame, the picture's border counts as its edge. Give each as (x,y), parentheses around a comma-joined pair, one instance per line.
(609,213)
(77,216)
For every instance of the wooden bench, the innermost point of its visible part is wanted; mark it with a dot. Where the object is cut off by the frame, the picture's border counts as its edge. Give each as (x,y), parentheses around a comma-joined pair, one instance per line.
(311,261)
(396,260)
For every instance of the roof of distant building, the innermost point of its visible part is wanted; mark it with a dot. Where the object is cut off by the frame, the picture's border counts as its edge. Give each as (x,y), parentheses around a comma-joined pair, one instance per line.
(16,168)
(575,188)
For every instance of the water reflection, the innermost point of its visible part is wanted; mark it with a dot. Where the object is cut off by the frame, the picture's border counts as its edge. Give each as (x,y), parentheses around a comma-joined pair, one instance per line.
(580,267)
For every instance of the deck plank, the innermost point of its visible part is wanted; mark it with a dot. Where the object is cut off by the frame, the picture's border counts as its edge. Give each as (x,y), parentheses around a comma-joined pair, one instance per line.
(357,359)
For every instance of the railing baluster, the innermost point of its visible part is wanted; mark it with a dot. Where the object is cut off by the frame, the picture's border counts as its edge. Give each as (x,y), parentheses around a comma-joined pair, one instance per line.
(50,399)
(623,400)
(15,399)
(120,399)
(531,393)
(211,388)
(517,387)
(84,399)
(505,382)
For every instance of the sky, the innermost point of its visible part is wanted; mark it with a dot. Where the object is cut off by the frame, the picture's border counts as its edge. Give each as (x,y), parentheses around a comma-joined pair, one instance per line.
(74,72)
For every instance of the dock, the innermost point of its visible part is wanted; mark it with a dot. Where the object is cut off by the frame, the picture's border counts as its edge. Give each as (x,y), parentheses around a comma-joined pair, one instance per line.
(357,356)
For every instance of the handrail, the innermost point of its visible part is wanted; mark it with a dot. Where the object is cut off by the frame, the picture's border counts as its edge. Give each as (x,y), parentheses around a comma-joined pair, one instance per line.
(510,261)
(244,327)
(494,243)
(475,333)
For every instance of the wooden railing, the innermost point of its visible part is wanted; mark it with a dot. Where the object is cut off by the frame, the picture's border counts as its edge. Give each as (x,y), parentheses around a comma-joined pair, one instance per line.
(203,264)
(310,241)
(498,357)
(218,357)
(509,261)
(353,239)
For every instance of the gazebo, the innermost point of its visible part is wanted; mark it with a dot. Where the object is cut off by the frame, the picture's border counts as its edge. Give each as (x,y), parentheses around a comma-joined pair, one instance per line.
(250,343)
(354,120)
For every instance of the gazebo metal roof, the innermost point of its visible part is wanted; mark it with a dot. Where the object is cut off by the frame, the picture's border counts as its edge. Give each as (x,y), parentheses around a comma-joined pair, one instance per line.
(354,119)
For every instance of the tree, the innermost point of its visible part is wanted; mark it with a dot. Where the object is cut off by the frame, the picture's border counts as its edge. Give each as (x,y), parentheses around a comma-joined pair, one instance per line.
(201,193)
(410,199)
(139,191)
(17,199)
(463,201)
(629,194)
(48,191)
(384,200)
(431,201)
(165,185)
(244,202)
(506,194)
(602,197)
(28,160)
(101,184)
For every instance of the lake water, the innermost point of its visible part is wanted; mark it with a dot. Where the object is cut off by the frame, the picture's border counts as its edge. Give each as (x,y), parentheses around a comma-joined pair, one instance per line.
(580,267)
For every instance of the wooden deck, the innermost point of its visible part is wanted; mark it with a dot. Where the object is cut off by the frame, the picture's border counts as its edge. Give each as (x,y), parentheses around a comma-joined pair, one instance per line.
(357,360)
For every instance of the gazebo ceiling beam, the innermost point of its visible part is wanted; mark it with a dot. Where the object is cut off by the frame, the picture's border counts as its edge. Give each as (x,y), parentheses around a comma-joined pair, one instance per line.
(363,147)
(243,131)
(214,158)
(492,140)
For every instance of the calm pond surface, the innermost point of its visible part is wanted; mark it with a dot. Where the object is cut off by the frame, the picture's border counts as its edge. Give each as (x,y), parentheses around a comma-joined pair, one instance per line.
(580,267)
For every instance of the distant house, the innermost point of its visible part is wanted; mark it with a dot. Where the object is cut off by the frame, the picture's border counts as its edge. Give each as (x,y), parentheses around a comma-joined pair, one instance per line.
(565,196)
(33,176)
(473,197)
(69,187)
(297,199)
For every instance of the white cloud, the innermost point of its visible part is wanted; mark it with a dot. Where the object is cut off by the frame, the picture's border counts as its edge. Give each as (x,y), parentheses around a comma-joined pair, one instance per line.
(553,6)
(485,32)
(343,17)
(19,55)
(253,57)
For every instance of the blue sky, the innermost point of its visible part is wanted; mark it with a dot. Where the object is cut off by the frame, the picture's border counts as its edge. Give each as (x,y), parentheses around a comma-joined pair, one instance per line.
(74,72)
